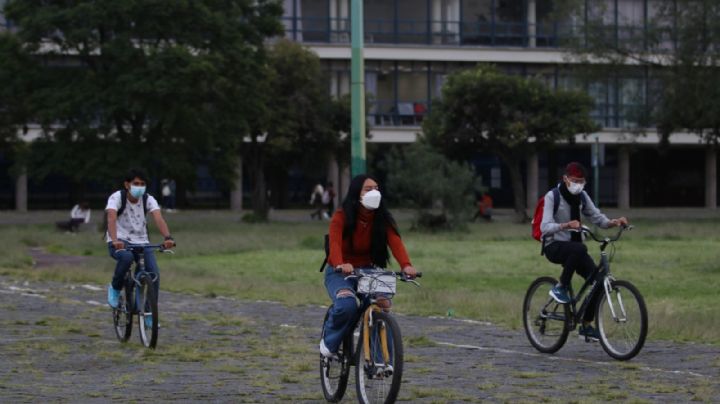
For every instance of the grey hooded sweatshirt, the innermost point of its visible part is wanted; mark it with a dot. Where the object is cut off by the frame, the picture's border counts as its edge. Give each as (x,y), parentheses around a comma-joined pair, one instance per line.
(550,225)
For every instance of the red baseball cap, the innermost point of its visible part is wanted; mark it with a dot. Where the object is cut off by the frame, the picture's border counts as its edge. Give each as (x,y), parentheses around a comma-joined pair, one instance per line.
(575,169)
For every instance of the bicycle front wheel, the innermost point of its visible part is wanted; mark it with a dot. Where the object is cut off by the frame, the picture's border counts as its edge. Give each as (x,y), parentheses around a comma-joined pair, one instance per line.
(147,312)
(334,372)
(122,315)
(622,320)
(378,379)
(545,320)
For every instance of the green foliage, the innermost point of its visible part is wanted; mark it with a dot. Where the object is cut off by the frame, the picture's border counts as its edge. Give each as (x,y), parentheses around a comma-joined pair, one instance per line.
(298,116)
(679,50)
(485,110)
(423,178)
(163,84)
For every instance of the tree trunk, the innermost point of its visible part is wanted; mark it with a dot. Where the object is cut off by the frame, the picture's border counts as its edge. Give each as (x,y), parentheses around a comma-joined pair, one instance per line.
(260,204)
(517,187)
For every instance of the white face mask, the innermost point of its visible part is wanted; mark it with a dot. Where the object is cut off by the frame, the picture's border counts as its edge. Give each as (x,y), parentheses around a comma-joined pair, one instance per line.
(371,199)
(575,188)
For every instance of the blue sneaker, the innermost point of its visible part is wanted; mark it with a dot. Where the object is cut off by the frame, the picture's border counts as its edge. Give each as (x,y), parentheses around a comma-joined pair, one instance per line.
(589,332)
(560,294)
(148,322)
(113,297)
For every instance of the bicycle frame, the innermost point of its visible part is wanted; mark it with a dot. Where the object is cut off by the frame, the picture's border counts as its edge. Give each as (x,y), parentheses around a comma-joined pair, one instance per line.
(138,271)
(370,306)
(600,278)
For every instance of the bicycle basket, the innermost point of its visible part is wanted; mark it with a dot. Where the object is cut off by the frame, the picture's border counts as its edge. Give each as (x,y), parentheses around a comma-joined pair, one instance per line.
(382,282)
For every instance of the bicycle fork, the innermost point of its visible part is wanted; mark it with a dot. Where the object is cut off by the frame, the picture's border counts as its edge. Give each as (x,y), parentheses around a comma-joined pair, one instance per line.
(608,294)
(367,327)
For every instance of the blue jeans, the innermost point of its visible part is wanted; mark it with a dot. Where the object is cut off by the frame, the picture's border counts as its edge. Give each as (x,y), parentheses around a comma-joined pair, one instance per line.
(344,309)
(344,312)
(125,259)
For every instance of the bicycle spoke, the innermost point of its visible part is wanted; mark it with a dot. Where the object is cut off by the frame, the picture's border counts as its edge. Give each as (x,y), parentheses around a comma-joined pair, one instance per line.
(622,337)
(544,319)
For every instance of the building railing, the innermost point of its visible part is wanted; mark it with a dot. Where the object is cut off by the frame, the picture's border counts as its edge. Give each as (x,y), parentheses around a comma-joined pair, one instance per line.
(471,33)
(400,113)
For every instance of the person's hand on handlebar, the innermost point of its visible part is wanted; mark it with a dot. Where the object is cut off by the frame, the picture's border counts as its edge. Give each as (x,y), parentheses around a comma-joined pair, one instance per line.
(347,269)
(409,272)
(573,224)
(622,221)
(118,245)
(168,244)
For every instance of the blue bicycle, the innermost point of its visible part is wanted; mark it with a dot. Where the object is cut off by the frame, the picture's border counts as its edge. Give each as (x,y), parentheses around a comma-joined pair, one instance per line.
(141,285)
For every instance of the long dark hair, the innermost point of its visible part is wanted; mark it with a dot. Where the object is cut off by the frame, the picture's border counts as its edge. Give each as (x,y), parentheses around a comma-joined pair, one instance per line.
(383,218)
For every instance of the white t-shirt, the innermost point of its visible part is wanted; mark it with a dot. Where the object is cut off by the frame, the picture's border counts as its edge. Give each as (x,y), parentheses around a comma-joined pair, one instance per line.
(131,225)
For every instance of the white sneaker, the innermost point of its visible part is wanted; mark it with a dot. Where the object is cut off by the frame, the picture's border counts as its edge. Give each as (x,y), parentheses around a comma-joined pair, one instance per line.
(325,352)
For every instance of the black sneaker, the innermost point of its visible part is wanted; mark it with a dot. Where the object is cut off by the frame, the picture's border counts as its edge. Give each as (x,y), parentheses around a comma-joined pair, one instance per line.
(589,333)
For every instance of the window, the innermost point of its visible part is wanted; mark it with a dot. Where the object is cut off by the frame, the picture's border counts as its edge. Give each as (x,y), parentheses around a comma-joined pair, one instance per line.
(379,21)
(314,16)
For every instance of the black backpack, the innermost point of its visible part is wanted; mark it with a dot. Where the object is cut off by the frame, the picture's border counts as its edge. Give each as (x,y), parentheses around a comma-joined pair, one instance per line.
(123,205)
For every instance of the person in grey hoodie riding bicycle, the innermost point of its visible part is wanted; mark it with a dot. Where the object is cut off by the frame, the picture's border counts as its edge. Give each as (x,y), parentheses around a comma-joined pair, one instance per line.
(564,246)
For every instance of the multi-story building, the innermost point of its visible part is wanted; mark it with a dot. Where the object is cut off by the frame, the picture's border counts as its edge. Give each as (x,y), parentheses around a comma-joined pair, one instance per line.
(412,45)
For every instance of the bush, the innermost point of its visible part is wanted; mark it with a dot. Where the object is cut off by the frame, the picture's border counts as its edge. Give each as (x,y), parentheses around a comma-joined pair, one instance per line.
(440,190)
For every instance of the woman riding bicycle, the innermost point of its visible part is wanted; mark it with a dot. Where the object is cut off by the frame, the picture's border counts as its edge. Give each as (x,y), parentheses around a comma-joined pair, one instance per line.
(360,233)
(565,247)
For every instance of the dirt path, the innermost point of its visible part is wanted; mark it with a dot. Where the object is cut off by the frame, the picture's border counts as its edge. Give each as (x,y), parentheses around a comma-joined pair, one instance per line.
(57,344)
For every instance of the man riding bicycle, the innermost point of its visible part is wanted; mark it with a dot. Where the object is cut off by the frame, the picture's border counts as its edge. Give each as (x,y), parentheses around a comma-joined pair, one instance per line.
(360,234)
(564,246)
(126,212)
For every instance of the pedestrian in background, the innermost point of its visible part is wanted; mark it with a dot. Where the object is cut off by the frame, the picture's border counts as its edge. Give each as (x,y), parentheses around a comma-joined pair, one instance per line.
(316,202)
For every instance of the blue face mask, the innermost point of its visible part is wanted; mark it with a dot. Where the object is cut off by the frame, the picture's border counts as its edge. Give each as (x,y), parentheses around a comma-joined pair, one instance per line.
(137,191)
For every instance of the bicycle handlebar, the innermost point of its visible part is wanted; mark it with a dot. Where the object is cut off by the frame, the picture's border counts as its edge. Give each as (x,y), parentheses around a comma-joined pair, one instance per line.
(623,228)
(401,275)
(159,247)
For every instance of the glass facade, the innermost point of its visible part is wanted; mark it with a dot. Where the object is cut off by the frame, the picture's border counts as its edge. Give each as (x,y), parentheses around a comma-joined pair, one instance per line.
(400,93)
(506,23)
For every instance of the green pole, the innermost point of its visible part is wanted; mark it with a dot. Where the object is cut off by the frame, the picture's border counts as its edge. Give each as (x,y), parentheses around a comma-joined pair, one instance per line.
(357,136)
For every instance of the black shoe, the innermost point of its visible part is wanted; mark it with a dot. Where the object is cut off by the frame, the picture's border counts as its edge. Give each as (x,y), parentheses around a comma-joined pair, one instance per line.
(589,333)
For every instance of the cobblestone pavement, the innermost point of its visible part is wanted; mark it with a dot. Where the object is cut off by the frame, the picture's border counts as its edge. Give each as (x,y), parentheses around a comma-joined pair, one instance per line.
(57,344)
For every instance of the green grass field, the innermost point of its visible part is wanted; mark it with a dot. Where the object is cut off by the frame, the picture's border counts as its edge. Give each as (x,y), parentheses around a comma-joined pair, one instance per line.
(480,274)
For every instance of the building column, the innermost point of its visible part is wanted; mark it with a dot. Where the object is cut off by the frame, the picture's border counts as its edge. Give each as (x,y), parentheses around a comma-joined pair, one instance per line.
(710,178)
(333,175)
(236,196)
(533,175)
(531,24)
(21,192)
(623,191)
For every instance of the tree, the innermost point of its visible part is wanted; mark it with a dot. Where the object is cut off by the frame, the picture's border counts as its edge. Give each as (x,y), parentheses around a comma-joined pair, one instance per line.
(425,179)
(163,84)
(484,110)
(295,126)
(676,45)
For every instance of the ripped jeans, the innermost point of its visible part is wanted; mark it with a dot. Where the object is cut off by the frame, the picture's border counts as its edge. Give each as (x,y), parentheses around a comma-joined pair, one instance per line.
(344,309)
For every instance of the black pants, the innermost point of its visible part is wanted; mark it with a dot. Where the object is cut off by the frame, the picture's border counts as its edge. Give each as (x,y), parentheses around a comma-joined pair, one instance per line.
(574,257)
(70,225)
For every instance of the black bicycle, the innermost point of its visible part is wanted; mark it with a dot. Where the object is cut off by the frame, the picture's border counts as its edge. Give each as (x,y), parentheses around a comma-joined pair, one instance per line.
(620,315)
(375,349)
(138,298)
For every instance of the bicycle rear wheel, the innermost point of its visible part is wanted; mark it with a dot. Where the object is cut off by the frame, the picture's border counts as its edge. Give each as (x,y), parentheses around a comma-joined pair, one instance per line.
(147,312)
(622,320)
(545,320)
(334,372)
(378,381)
(122,315)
